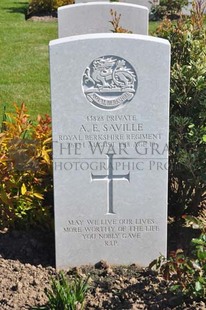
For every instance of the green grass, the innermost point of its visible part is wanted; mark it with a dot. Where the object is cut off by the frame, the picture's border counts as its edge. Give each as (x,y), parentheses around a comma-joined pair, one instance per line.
(153,26)
(24,61)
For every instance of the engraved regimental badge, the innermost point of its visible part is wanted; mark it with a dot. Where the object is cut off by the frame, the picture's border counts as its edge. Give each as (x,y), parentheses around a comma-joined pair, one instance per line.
(109,82)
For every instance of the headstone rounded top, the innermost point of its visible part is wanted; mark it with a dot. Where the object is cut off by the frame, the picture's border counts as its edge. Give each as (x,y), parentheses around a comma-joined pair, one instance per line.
(101,3)
(102,36)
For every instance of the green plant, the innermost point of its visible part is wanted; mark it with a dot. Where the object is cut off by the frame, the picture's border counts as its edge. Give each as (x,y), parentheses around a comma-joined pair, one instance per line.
(39,7)
(66,296)
(58,3)
(199,252)
(169,8)
(187,275)
(187,190)
(25,170)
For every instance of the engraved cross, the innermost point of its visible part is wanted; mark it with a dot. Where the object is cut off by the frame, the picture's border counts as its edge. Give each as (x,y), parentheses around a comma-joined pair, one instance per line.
(110,178)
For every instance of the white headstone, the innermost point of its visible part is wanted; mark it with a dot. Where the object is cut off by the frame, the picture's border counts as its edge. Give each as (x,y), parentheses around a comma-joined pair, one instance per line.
(95,18)
(110,95)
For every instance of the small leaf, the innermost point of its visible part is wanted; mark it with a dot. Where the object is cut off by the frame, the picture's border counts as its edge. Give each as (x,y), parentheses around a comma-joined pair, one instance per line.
(198,286)
(23,189)
(40,196)
(4,197)
(202,255)
(198,241)
(175,288)
(46,156)
(196,265)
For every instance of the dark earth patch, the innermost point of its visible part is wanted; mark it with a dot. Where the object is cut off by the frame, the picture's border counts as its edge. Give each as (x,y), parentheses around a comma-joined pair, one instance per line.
(27,265)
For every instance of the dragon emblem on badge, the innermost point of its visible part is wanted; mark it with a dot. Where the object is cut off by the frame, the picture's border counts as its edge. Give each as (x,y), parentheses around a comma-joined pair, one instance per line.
(109,82)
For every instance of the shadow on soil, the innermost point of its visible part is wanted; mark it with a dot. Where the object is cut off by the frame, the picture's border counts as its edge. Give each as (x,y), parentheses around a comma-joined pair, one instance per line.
(179,237)
(33,247)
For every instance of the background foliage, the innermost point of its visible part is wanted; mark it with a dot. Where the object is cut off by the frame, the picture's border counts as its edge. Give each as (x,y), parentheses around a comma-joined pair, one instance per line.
(187,190)
(171,9)
(25,171)
(187,170)
(46,6)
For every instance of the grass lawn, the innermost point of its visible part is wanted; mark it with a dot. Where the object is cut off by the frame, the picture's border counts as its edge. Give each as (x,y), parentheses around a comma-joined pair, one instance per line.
(153,26)
(24,64)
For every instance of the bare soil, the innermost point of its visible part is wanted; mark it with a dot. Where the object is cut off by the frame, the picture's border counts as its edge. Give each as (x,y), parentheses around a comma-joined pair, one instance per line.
(27,265)
(47,18)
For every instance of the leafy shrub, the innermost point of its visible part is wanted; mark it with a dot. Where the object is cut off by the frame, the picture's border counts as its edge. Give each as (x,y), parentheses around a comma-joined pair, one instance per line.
(187,274)
(40,7)
(169,8)
(187,190)
(25,170)
(58,3)
(66,296)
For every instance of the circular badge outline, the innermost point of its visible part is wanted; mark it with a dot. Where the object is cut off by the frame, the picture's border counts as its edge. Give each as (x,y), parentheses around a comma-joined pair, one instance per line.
(124,99)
